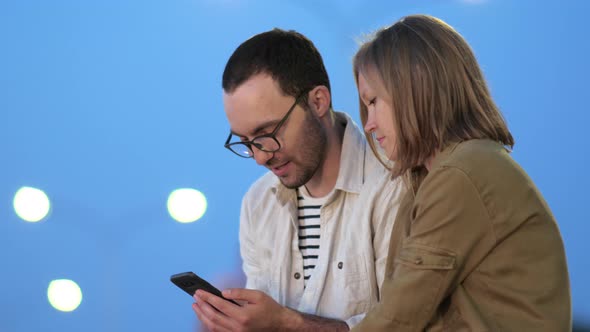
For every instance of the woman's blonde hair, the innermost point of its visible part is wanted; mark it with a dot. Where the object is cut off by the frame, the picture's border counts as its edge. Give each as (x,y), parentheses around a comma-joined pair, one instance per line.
(437,91)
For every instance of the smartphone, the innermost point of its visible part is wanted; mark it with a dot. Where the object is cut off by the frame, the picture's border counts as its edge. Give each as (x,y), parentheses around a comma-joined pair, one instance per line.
(190,282)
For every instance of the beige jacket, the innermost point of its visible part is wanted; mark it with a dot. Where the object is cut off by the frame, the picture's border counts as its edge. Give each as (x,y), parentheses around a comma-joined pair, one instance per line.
(356,222)
(475,249)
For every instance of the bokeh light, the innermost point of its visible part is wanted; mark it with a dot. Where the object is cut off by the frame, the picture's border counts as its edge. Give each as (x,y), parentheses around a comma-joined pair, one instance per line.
(64,295)
(186,205)
(31,204)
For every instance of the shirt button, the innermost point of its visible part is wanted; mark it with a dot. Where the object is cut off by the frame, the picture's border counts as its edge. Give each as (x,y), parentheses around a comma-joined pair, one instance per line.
(418,260)
(340,265)
(297,275)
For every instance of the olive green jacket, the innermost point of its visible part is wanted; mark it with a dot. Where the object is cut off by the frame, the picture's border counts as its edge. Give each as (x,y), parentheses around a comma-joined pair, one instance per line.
(476,248)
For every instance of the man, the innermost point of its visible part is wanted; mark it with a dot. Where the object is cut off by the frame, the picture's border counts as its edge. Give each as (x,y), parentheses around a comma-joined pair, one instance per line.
(314,231)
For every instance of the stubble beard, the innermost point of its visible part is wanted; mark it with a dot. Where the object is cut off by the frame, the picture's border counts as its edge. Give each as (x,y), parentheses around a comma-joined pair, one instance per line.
(312,152)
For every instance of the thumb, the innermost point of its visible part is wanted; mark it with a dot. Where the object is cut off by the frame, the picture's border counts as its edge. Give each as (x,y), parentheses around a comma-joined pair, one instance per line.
(241,294)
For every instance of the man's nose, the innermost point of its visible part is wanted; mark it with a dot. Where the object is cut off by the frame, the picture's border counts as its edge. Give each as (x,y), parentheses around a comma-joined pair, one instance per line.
(262,157)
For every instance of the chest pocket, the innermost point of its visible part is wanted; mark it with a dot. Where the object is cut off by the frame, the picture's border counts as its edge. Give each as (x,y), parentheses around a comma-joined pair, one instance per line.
(421,275)
(351,286)
(426,258)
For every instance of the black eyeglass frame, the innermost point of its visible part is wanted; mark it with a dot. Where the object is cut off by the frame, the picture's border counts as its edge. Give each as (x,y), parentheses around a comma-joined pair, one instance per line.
(271,135)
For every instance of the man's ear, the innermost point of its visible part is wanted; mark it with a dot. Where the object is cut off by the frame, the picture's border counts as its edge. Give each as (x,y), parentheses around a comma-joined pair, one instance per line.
(319,100)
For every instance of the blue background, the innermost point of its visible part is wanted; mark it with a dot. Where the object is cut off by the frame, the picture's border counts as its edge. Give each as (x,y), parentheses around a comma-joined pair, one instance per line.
(109,105)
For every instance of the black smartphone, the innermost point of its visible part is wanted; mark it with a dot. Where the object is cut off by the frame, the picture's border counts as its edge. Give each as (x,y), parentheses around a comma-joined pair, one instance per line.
(190,282)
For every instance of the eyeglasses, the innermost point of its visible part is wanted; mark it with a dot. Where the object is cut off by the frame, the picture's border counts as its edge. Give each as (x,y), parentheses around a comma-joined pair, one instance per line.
(266,142)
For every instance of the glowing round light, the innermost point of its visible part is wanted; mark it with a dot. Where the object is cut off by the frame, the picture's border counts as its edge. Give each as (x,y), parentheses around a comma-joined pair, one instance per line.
(186,205)
(31,204)
(64,295)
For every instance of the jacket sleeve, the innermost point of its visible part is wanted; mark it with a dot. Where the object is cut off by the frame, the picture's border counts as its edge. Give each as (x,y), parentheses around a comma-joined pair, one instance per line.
(450,231)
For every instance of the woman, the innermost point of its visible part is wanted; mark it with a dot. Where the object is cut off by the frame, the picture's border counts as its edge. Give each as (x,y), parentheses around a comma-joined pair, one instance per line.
(474,245)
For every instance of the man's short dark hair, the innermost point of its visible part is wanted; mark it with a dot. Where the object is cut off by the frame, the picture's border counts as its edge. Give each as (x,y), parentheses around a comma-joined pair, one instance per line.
(288,57)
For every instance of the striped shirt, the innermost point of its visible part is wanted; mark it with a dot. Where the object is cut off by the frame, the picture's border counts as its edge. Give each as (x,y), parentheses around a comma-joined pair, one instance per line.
(309,229)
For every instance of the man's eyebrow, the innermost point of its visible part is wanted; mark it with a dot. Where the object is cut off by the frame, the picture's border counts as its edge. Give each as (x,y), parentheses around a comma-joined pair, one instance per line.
(264,125)
(259,128)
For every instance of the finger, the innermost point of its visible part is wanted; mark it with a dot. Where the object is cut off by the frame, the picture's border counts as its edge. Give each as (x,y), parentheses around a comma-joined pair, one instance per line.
(226,307)
(205,321)
(200,315)
(210,317)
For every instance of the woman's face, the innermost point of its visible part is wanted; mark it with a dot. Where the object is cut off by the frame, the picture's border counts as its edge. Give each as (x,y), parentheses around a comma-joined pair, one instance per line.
(379,113)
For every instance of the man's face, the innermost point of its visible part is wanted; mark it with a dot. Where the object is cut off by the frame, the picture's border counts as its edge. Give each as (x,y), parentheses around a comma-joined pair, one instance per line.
(255,108)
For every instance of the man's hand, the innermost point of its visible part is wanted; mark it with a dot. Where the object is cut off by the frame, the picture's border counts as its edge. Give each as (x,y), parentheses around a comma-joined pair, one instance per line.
(258,311)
